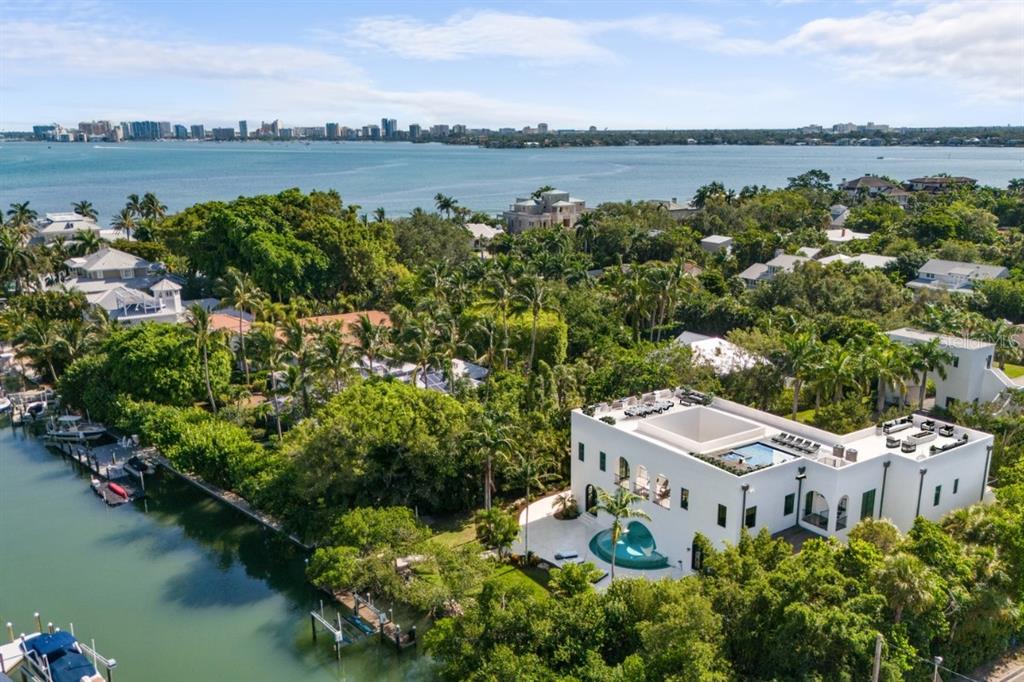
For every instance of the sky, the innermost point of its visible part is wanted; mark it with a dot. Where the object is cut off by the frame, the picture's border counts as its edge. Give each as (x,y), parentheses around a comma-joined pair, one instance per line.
(776,63)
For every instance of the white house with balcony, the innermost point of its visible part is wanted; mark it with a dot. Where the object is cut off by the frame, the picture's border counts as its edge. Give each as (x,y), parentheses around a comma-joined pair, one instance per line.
(68,226)
(955,276)
(714,467)
(129,288)
(972,375)
(550,209)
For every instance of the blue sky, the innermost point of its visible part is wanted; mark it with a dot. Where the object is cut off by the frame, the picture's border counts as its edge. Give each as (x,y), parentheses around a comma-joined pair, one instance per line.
(780,63)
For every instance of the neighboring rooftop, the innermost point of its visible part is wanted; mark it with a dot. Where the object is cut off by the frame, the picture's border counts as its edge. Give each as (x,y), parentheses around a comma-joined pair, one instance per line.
(911,335)
(108,259)
(939,267)
(870,261)
(723,356)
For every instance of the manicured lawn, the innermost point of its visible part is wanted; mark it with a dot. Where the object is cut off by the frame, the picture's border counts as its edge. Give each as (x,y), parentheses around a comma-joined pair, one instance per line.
(535,579)
(1014,371)
(454,530)
(804,416)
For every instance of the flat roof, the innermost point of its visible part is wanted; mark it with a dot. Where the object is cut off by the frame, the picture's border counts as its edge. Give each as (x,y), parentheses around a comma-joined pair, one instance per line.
(714,431)
(921,336)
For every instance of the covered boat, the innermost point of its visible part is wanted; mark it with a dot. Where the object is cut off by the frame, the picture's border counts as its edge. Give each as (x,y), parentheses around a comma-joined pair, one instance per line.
(72,428)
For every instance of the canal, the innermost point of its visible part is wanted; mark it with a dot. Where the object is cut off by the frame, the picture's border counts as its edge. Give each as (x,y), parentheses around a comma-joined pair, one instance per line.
(177,587)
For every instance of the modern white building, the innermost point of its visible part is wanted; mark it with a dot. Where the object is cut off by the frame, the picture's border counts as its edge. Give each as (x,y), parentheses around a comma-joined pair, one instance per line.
(551,208)
(870,261)
(972,377)
(714,467)
(67,226)
(722,355)
(129,288)
(955,276)
(716,243)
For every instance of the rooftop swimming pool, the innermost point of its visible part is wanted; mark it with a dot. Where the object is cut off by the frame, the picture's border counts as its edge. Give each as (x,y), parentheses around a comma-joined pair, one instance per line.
(757,455)
(635,549)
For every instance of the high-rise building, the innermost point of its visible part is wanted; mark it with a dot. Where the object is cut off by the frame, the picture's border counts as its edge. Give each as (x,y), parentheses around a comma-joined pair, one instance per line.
(116,134)
(459,129)
(44,132)
(180,132)
(542,128)
(272,129)
(198,132)
(223,134)
(165,128)
(243,130)
(146,130)
(332,131)
(126,130)
(414,131)
(94,127)
(389,128)
(439,130)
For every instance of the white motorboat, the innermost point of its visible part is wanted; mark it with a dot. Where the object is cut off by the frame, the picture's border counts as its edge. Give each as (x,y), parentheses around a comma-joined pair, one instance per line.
(71,428)
(5,404)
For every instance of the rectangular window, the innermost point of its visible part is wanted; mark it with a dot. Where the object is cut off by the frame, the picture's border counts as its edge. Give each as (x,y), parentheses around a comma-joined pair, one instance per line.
(956,361)
(956,485)
(580,450)
(721,515)
(988,362)
(600,460)
(750,518)
(789,505)
(867,504)
(938,494)
(684,498)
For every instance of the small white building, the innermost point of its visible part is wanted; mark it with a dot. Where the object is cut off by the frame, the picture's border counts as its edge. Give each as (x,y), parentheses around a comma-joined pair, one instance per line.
(483,234)
(67,226)
(717,243)
(955,276)
(718,467)
(870,261)
(972,377)
(842,235)
(551,208)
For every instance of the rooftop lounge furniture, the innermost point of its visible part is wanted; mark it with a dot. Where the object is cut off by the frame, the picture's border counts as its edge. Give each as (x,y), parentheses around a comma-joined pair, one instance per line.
(922,437)
(646,409)
(892,442)
(946,430)
(897,425)
(935,449)
(908,446)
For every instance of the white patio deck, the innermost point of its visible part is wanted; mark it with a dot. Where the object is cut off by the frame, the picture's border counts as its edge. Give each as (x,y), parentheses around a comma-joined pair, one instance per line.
(550,536)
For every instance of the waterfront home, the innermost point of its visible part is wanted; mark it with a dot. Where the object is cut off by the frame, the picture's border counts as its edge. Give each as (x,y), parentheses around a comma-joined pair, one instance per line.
(111,265)
(754,275)
(717,243)
(714,467)
(436,379)
(870,261)
(837,216)
(722,355)
(68,226)
(483,234)
(346,321)
(678,212)
(971,377)
(871,185)
(549,209)
(784,263)
(901,197)
(939,183)
(955,276)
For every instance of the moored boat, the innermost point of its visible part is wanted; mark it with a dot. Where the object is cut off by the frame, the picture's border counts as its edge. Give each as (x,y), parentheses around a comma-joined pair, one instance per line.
(54,656)
(71,428)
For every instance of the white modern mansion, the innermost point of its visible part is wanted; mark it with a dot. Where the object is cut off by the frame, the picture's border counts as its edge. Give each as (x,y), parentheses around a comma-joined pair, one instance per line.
(712,466)
(972,375)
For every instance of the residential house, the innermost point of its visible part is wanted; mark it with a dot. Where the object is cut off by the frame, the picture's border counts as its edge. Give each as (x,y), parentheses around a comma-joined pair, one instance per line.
(972,376)
(896,195)
(551,208)
(784,263)
(717,243)
(678,212)
(754,275)
(837,216)
(712,468)
(842,235)
(870,261)
(722,355)
(483,234)
(870,185)
(67,226)
(955,276)
(939,183)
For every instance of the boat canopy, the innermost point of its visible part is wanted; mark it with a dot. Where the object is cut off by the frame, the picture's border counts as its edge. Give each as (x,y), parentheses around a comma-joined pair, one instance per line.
(69,418)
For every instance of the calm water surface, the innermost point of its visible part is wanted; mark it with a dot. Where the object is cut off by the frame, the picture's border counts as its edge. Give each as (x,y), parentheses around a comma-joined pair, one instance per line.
(402,176)
(177,589)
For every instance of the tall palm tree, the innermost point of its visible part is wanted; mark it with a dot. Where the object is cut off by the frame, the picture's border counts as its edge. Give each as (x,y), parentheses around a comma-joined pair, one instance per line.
(532,297)
(17,258)
(448,345)
(445,204)
(492,436)
(134,204)
(929,357)
(540,190)
(334,356)
(907,583)
(889,362)
(586,229)
(151,207)
(619,506)
(205,338)
(533,470)
(379,214)
(1001,333)
(836,370)
(39,341)
(801,353)
(125,222)
(238,290)
(416,344)
(370,338)
(85,209)
(21,216)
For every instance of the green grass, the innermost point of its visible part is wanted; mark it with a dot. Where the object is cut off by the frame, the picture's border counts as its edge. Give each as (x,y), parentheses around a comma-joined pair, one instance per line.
(804,416)
(1014,371)
(534,579)
(454,530)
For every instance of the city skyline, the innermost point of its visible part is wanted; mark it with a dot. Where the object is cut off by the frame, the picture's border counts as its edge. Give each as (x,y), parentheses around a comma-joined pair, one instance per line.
(781,64)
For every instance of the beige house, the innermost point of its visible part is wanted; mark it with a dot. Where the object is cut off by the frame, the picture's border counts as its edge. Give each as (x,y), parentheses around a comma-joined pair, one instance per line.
(551,208)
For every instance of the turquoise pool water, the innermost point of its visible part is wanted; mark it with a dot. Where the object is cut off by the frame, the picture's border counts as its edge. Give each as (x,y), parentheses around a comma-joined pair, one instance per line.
(635,549)
(757,455)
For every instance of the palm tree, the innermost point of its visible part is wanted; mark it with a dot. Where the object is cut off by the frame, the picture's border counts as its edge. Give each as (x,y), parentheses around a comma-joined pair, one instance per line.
(836,370)
(205,337)
(532,297)
(1001,333)
(801,352)
(491,436)
(378,214)
(125,222)
(86,242)
(540,190)
(151,208)
(17,258)
(85,209)
(416,345)
(619,506)
(334,356)
(445,204)
(448,345)
(21,216)
(907,583)
(39,342)
(585,231)
(889,363)
(929,357)
(532,471)
(370,338)
(238,290)
(134,204)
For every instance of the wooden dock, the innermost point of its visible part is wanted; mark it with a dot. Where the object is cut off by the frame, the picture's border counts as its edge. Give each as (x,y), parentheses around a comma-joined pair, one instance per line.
(106,463)
(225,496)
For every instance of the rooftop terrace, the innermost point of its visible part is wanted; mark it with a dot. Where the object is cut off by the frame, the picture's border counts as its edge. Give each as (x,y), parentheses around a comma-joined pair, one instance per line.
(742,439)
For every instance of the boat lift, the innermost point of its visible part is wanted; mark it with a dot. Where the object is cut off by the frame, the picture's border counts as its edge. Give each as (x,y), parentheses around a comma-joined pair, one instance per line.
(16,657)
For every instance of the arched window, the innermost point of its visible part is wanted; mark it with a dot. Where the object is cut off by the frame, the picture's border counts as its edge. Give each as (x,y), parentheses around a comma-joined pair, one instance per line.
(591,500)
(623,475)
(816,510)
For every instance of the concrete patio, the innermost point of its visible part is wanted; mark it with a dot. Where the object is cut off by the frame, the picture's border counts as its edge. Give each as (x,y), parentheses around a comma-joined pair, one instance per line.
(550,536)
